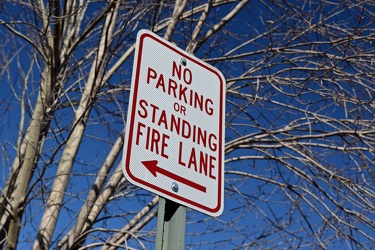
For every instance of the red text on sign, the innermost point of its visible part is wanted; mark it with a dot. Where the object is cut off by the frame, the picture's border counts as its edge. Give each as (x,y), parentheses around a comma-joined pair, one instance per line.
(154,140)
(202,163)
(178,90)
(177,125)
(185,73)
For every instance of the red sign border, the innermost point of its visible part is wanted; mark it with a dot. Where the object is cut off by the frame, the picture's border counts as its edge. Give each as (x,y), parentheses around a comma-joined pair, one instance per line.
(219,205)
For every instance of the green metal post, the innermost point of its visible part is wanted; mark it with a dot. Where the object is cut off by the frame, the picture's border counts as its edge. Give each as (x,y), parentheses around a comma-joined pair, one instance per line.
(171,223)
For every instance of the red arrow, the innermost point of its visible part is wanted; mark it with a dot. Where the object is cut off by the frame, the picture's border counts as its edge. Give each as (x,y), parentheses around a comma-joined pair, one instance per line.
(152,166)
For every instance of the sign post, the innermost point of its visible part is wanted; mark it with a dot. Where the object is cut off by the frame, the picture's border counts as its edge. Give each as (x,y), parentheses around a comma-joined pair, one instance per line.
(170,229)
(174,141)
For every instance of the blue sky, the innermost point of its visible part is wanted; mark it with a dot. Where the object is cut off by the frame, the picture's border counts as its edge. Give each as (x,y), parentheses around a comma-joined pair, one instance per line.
(292,96)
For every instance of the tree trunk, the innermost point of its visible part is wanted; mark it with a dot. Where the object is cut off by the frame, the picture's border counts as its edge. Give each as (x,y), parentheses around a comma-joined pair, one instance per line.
(33,141)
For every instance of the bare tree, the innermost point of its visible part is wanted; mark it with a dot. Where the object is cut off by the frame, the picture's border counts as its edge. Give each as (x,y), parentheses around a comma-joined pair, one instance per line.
(299,122)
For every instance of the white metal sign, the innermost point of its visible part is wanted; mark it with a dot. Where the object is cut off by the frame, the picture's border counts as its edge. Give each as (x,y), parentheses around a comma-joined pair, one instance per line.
(174,141)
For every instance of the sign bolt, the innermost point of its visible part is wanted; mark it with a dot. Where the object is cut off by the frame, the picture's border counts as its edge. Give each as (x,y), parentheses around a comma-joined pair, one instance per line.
(183,61)
(174,187)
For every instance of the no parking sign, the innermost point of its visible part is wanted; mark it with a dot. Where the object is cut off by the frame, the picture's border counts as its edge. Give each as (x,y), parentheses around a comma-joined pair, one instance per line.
(174,142)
